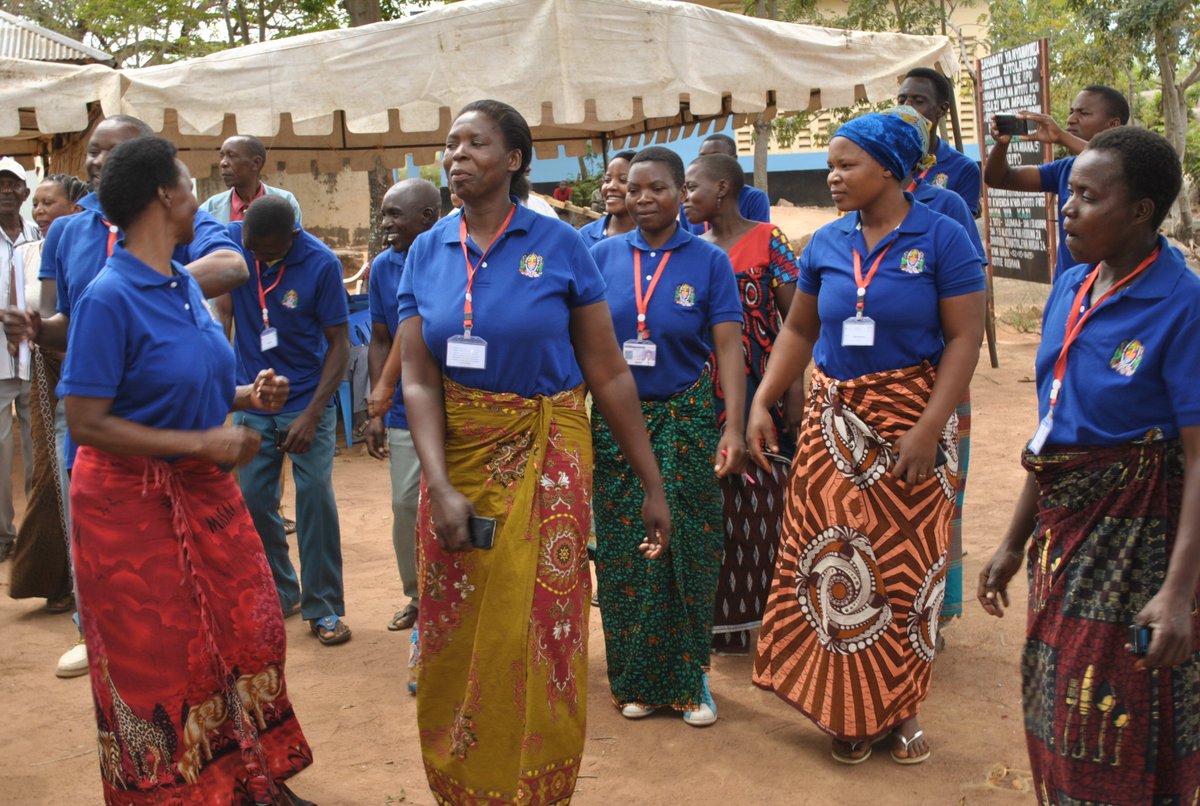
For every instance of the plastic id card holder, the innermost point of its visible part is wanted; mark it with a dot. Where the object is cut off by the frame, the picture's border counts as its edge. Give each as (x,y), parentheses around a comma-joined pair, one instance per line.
(1043,432)
(858,332)
(269,339)
(640,353)
(466,352)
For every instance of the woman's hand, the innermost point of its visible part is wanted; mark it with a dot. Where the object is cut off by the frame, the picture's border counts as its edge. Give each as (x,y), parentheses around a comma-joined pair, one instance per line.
(916,452)
(1170,623)
(731,454)
(20,326)
(451,511)
(229,446)
(380,401)
(269,391)
(760,435)
(992,592)
(657,517)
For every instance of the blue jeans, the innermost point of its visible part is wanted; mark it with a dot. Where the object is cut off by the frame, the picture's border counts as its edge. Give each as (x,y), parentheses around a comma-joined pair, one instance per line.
(317,532)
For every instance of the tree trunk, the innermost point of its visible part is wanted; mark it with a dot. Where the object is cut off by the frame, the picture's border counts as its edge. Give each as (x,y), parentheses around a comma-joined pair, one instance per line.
(379,178)
(1175,120)
(762,141)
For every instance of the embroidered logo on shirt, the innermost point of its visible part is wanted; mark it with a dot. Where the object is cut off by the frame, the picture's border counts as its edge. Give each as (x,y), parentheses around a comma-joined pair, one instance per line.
(1128,357)
(291,299)
(531,265)
(685,295)
(913,262)
(940,180)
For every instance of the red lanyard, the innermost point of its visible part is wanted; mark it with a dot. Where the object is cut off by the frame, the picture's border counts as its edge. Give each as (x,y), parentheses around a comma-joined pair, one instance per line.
(112,236)
(262,295)
(1075,321)
(861,299)
(913,185)
(643,300)
(468,304)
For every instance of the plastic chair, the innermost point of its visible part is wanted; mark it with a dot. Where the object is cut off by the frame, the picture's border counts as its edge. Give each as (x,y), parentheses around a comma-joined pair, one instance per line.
(360,336)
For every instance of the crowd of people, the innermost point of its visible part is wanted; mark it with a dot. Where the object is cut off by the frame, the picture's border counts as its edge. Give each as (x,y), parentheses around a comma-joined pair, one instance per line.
(647,405)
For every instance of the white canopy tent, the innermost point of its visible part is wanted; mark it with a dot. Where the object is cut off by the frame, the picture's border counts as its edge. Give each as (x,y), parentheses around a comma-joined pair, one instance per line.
(578,70)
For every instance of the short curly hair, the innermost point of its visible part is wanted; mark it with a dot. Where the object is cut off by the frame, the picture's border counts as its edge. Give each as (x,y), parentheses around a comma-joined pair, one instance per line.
(133,172)
(1150,165)
(664,155)
(721,166)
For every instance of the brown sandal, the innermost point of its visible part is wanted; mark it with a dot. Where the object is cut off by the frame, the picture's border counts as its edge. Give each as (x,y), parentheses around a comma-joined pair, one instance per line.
(330,630)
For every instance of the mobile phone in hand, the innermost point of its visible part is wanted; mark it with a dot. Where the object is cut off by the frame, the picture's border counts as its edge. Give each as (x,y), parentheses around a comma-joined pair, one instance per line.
(1013,125)
(481,532)
(1139,640)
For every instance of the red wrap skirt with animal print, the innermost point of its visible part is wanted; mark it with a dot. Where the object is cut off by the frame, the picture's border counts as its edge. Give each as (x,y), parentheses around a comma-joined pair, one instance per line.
(184,635)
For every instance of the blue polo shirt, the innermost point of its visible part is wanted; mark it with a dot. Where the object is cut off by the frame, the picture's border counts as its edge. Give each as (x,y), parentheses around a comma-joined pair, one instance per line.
(956,171)
(537,270)
(309,298)
(78,249)
(592,233)
(1133,366)
(1056,177)
(386,270)
(929,258)
(697,290)
(950,204)
(147,342)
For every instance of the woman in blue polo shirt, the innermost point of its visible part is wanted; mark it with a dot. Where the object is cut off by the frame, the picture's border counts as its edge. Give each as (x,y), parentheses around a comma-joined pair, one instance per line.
(1111,496)
(616,219)
(178,606)
(890,307)
(502,321)
(673,299)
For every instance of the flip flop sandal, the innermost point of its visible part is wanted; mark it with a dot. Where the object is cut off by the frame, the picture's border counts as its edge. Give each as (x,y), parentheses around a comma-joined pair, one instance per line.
(331,630)
(62,604)
(854,746)
(404,619)
(906,760)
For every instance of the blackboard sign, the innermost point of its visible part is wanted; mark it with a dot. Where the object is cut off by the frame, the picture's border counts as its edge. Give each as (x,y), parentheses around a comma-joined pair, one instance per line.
(1020,226)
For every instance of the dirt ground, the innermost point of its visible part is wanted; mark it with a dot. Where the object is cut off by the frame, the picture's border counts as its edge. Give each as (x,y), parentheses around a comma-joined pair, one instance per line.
(361,723)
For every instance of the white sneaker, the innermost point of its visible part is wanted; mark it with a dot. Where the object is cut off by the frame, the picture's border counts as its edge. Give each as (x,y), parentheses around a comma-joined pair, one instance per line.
(74,661)
(635,711)
(706,714)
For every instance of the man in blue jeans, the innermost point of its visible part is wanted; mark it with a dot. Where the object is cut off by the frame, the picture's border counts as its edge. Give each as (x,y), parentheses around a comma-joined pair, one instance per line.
(292,317)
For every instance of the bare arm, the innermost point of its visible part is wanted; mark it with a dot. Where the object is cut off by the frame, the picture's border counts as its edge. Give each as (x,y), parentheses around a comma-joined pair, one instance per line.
(383,389)
(219,272)
(425,402)
(793,402)
(992,591)
(223,307)
(731,366)
(789,358)
(999,174)
(303,429)
(615,395)
(962,327)
(1169,613)
(92,423)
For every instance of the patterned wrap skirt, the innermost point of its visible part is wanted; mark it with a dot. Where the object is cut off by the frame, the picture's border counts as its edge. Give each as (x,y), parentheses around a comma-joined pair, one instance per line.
(658,613)
(184,634)
(41,566)
(502,676)
(1098,729)
(851,624)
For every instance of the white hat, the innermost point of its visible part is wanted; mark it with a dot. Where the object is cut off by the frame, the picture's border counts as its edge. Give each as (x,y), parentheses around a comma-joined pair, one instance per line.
(10,165)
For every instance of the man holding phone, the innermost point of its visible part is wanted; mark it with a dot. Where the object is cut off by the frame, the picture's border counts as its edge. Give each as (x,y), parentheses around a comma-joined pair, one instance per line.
(1094,109)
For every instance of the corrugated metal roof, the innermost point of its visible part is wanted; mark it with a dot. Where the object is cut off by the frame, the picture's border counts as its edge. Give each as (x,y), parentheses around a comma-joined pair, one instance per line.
(22,39)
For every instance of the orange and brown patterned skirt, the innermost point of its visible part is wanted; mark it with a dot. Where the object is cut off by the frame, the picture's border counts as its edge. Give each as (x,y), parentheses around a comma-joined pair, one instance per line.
(851,623)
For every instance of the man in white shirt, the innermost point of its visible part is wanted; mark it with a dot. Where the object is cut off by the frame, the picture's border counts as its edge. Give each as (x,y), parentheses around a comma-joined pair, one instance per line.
(242,159)
(14,377)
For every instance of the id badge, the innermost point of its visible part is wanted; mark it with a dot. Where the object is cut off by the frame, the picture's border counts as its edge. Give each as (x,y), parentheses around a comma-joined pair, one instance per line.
(858,332)
(640,353)
(466,352)
(1040,436)
(269,339)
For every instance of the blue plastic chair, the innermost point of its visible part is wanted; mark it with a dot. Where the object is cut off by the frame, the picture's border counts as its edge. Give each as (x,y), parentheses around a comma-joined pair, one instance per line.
(360,335)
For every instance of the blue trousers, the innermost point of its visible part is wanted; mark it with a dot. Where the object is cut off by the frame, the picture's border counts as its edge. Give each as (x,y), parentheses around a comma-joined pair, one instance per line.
(317,532)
